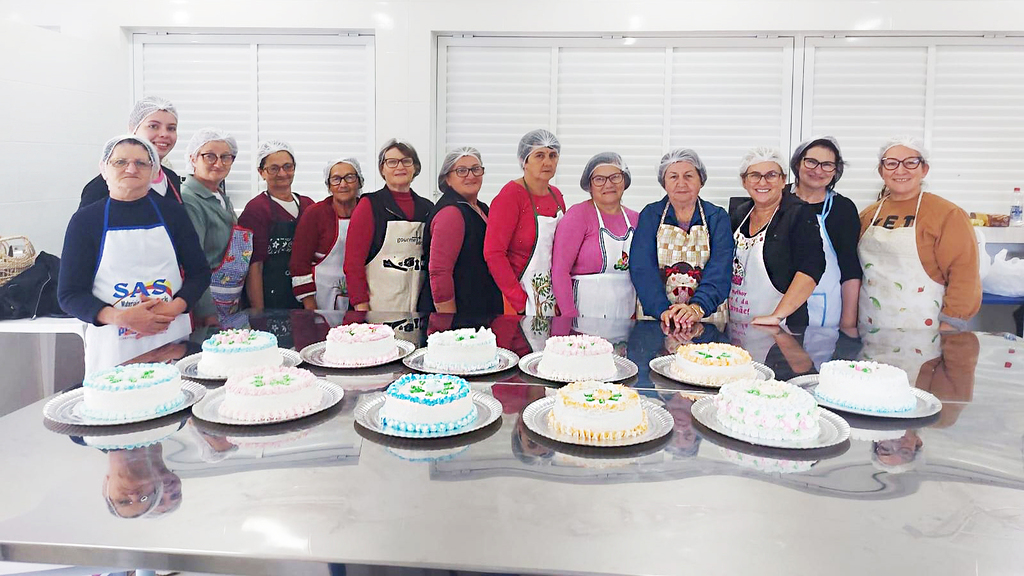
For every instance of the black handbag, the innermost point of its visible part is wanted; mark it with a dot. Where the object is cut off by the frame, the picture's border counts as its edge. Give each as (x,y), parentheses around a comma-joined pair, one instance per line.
(33,292)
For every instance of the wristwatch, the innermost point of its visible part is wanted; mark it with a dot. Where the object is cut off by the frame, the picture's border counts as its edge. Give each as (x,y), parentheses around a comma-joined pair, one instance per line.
(698,310)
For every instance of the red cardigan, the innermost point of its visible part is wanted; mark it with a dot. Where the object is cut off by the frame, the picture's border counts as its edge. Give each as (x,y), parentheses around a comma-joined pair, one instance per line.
(314,237)
(511,234)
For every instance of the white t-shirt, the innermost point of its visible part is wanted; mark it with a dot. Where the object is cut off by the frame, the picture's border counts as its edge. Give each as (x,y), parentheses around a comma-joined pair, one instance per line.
(291,207)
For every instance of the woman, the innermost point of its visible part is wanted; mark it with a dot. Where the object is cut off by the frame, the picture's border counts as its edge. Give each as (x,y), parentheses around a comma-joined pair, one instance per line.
(384,248)
(272,217)
(131,265)
(680,260)
(590,261)
(453,242)
(318,255)
(816,166)
(779,259)
(156,120)
(918,250)
(521,229)
(227,246)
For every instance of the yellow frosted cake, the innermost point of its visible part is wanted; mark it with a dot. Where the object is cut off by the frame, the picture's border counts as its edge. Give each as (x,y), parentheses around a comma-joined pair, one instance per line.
(712,364)
(597,411)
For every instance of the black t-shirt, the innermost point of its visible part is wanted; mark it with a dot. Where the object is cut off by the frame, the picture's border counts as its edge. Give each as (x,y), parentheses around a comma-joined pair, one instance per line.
(843,228)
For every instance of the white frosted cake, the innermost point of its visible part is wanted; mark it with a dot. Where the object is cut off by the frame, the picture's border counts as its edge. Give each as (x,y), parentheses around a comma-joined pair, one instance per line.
(355,345)
(132,391)
(231,351)
(428,403)
(461,350)
(712,364)
(132,440)
(597,411)
(270,395)
(767,410)
(577,357)
(865,386)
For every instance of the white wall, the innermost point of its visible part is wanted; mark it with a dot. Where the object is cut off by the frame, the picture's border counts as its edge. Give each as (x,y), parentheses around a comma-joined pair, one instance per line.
(63,93)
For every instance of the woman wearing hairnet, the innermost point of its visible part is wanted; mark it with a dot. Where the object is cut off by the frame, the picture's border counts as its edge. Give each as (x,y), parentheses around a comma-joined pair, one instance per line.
(384,249)
(680,260)
(817,165)
(590,262)
(521,228)
(272,217)
(779,258)
(918,250)
(156,120)
(453,242)
(318,254)
(227,246)
(131,266)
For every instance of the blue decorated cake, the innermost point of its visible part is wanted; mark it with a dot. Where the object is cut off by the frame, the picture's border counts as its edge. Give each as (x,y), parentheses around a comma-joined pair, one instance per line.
(428,403)
(132,391)
(229,352)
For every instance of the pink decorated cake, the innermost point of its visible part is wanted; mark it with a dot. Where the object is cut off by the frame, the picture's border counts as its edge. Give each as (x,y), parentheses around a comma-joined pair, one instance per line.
(577,357)
(355,345)
(270,395)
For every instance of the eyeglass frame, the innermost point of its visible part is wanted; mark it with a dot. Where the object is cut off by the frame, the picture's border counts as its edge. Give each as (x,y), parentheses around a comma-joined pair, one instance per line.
(405,161)
(621,176)
(223,158)
(468,169)
(274,169)
(768,179)
(919,160)
(123,163)
(351,178)
(818,163)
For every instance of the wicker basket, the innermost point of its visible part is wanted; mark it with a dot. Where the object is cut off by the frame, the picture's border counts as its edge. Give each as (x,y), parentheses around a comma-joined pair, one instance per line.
(16,254)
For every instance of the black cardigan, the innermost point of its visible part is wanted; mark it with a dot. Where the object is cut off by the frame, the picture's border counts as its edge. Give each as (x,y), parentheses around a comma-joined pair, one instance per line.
(792,244)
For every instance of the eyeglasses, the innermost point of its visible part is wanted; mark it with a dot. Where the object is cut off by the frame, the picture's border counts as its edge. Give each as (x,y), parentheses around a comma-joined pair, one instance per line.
(394,162)
(755,177)
(811,164)
(275,169)
(462,171)
(211,158)
(599,181)
(122,163)
(350,178)
(908,163)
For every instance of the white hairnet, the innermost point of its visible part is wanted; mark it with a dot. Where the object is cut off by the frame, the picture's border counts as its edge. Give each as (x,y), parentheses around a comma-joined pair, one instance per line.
(912,142)
(604,159)
(204,136)
(449,164)
(762,154)
(108,149)
(148,105)
(682,155)
(351,162)
(534,139)
(268,147)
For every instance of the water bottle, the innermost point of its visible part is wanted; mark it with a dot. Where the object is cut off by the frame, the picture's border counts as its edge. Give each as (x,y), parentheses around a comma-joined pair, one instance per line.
(1017,208)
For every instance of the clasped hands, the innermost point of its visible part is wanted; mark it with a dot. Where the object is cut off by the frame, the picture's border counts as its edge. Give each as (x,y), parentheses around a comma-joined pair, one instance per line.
(151,316)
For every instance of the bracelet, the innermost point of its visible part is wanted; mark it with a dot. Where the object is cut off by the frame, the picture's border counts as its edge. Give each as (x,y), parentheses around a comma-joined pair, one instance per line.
(696,308)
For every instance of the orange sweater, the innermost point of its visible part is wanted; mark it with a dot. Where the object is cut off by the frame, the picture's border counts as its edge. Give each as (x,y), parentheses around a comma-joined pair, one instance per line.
(946,246)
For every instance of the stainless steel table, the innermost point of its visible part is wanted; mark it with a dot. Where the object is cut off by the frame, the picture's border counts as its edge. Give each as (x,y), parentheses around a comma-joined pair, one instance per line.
(939,496)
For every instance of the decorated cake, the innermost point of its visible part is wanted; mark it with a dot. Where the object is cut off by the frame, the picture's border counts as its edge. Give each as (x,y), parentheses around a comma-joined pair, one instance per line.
(270,395)
(767,410)
(427,403)
(131,392)
(865,386)
(577,357)
(231,351)
(597,411)
(355,345)
(712,364)
(134,439)
(461,350)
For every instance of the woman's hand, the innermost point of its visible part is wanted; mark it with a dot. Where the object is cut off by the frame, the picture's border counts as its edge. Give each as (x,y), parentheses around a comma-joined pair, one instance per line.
(173,308)
(363,307)
(309,302)
(767,321)
(141,318)
(681,315)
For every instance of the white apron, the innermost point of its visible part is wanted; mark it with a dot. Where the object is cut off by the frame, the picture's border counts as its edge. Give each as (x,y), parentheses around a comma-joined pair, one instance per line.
(133,262)
(329,275)
(896,292)
(608,293)
(752,293)
(825,304)
(396,273)
(536,277)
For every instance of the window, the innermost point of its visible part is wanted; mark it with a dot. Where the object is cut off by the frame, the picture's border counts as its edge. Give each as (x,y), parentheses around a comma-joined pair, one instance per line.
(314,92)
